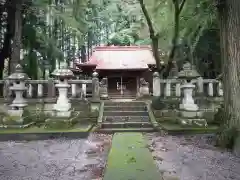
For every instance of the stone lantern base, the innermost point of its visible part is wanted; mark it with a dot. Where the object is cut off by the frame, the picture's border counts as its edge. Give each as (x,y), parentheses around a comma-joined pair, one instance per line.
(62,109)
(61,120)
(63,114)
(191,118)
(193,122)
(16,112)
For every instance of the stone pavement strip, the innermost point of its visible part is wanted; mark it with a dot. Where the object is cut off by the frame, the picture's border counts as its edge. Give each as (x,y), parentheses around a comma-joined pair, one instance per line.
(130,159)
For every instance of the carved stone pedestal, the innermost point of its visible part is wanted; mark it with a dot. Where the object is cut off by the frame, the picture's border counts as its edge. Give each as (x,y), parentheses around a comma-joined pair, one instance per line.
(62,108)
(19,103)
(189,114)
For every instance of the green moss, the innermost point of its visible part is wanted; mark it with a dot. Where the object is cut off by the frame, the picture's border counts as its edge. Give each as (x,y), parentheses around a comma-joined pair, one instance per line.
(219,116)
(38,116)
(151,116)
(100,114)
(158,104)
(54,123)
(95,106)
(227,137)
(166,119)
(177,128)
(41,129)
(165,113)
(12,120)
(209,116)
(129,158)
(26,116)
(77,118)
(90,114)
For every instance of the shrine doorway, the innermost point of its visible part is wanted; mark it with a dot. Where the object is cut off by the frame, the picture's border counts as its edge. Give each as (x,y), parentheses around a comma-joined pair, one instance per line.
(122,86)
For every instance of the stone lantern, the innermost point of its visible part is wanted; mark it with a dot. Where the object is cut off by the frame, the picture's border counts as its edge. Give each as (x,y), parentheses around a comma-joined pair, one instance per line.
(63,106)
(189,111)
(188,74)
(19,86)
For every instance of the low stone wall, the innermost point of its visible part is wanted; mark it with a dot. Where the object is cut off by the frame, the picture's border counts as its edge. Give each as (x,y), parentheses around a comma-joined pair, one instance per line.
(172,114)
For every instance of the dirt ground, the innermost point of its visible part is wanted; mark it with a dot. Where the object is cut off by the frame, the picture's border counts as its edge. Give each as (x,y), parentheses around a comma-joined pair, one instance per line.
(62,159)
(193,158)
(186,157)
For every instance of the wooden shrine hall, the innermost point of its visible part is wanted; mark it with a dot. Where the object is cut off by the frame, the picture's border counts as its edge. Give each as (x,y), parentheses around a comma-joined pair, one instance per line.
(123,66)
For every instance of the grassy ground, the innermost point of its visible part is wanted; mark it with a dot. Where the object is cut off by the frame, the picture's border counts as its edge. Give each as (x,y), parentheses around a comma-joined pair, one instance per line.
(130,159)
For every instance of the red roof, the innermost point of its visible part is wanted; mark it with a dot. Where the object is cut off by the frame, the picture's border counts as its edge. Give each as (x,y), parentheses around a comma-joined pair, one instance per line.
(121,57)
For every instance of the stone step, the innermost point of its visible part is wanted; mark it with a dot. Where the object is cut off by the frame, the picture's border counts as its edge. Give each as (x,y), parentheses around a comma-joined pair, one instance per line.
(121,97)
(127,125)
(121,104)
(125,108)
(125,113)
(114,130)
(117,119)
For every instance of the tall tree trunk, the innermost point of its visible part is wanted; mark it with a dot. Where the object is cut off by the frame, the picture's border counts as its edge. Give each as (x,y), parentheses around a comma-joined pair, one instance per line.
(178,7)
(152,34)
(5,52)
(89,43)
(83,54)
(229,14)
(16,45)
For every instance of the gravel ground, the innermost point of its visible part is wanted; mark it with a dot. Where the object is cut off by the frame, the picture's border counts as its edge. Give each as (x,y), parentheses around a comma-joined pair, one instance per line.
(61,159)
(193,158)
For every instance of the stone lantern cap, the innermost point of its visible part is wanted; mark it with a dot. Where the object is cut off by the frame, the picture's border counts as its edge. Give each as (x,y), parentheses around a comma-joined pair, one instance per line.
(95,74)
(188,72)
(63,72)
(155,74)
(19,74)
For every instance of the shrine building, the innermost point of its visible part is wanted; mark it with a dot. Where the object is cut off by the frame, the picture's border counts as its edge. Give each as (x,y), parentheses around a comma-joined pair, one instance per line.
(123,66)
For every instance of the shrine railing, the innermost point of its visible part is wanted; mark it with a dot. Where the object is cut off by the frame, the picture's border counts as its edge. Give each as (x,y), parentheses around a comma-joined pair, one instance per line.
(45,90)
(172,87)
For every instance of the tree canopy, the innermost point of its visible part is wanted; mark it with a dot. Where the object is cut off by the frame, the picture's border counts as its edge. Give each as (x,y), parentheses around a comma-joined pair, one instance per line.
(53,31)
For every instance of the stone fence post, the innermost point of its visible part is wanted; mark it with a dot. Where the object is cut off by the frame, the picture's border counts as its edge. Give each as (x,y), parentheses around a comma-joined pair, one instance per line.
(144,88)
(103,85)
(95,87)
(156,85)
(51,91)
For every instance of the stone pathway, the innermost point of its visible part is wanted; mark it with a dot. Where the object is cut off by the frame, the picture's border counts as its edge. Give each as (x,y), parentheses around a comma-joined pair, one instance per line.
(54,159)
(129,159)
(193,158)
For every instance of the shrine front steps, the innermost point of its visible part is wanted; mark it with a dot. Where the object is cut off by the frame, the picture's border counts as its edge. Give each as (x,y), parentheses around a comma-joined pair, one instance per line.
(116,130)
(137,125)
(119,96)
(126,108)
(127,125)
(125,117)
(124,113)
(124,103)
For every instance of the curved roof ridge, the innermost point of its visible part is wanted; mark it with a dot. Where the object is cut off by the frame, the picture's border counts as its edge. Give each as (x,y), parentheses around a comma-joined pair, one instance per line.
(125,48)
